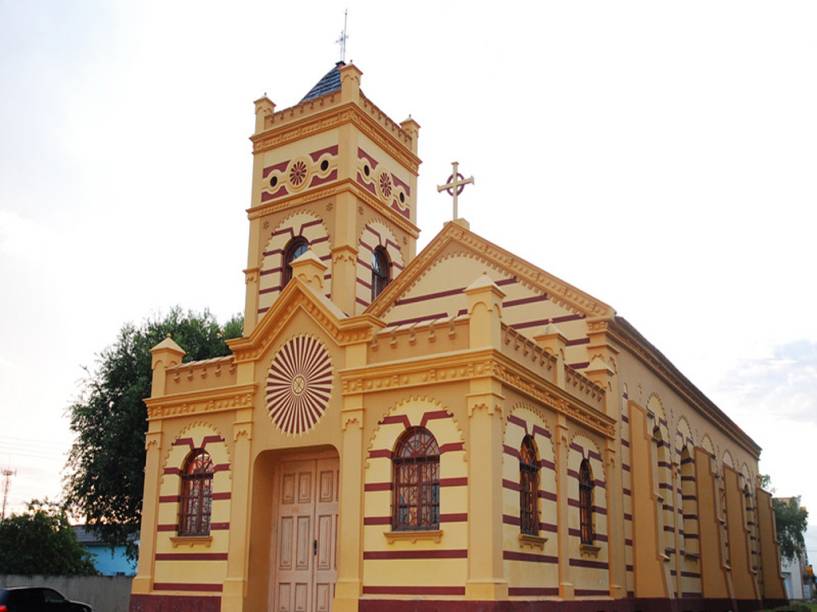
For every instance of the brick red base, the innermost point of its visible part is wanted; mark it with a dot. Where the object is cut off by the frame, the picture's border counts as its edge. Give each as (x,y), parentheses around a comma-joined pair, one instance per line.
(174,603)
(204,603)
(620,605)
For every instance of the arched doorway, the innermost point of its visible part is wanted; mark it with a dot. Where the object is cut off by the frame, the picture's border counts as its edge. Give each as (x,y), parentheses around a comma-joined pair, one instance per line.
(293,536)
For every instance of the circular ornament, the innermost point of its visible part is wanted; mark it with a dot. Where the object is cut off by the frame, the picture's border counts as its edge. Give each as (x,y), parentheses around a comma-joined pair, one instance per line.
(298,173)
(384,184)
(299,384)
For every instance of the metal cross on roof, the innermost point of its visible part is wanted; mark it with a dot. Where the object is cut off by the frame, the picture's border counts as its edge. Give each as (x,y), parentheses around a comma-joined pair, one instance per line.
(343,37)
(455,184)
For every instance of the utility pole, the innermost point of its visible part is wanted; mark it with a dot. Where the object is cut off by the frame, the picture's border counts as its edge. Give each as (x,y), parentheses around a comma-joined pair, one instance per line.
(7,474)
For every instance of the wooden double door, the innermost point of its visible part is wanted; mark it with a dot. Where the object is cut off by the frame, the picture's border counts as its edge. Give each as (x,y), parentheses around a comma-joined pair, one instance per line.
(306,542)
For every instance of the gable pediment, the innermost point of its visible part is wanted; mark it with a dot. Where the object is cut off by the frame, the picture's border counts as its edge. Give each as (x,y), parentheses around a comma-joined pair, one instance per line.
(456,241)
(298,297)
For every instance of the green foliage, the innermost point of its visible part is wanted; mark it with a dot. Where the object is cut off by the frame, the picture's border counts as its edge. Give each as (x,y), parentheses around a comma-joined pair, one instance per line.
(105,468)
(40,541)
(792,522)
(766,482)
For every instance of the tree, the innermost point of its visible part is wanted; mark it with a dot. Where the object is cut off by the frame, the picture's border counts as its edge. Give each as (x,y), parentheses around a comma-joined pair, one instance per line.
(40,541)
(105,468)
(792,522)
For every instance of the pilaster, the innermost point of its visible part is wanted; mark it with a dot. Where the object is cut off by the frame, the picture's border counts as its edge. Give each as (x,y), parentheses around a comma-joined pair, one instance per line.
(486,579)
(649,558)
(352,463)
(774,592)
(566,587)
(412,128)
(344,273)
(143,581)
(713,573)
(603,374)
(743,578)
(250,300)
(235,584)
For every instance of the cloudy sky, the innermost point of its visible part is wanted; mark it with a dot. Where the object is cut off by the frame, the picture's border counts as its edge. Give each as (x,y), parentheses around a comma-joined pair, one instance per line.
(659,155)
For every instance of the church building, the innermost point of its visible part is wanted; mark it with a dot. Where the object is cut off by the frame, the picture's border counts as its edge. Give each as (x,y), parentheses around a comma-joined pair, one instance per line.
(454,429)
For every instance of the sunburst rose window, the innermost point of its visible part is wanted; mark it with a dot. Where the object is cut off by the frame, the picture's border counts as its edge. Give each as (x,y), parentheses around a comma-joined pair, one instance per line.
(299,384)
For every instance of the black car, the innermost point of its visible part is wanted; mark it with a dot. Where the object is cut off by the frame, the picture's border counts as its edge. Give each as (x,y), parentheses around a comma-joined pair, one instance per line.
(38,599)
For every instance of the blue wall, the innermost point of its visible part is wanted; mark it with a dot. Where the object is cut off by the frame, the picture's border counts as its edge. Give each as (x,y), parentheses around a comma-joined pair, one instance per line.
(111,562)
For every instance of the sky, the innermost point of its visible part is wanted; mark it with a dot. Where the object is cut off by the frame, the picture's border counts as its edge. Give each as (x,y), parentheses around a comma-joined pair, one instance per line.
(661,156)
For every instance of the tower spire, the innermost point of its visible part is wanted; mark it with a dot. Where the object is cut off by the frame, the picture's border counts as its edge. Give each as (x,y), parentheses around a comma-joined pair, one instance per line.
(343,37)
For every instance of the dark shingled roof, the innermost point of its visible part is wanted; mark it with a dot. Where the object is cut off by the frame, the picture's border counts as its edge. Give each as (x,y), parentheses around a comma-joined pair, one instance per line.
(329,83)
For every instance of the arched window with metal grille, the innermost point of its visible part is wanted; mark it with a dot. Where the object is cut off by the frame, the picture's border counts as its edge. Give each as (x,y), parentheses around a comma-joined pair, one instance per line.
(416,465)
(197,494)
(381,271)
(293,250)
(586,502)
(528,487)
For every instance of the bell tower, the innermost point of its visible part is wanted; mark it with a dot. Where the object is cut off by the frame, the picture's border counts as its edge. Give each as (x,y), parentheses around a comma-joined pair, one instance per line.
(335,175)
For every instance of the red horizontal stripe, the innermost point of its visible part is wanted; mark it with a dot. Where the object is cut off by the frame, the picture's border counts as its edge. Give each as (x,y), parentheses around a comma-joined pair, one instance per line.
(186,586)
(191,556)
(517,421)
(413,590)
(163,499)
(591,592)
(377,486)
(461,553)
(588,564)
(532,591)
(510,484)
(510,450)
(527,300)
(453,482)
(452,447)
(225,495)
(511,555)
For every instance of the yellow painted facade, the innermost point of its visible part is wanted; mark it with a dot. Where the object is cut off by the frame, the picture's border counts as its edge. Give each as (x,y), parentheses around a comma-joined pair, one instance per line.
(645,494)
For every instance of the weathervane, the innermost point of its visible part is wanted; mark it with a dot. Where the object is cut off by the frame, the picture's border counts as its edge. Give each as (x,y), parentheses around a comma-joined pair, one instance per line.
(455,184)
(343,37)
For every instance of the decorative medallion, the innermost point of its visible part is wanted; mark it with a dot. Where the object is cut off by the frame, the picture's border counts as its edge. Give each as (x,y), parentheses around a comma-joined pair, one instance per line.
(297,173)
(385,184)
(299,384)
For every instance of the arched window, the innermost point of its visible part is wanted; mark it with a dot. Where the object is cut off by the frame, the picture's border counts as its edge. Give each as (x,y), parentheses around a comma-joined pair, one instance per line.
(586,502)
(381,268)
(296,247)
(416,462)
(528,488)
(197,494)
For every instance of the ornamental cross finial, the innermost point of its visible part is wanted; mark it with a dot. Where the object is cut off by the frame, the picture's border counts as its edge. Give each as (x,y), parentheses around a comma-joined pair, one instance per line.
(343,37)
(455,184)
